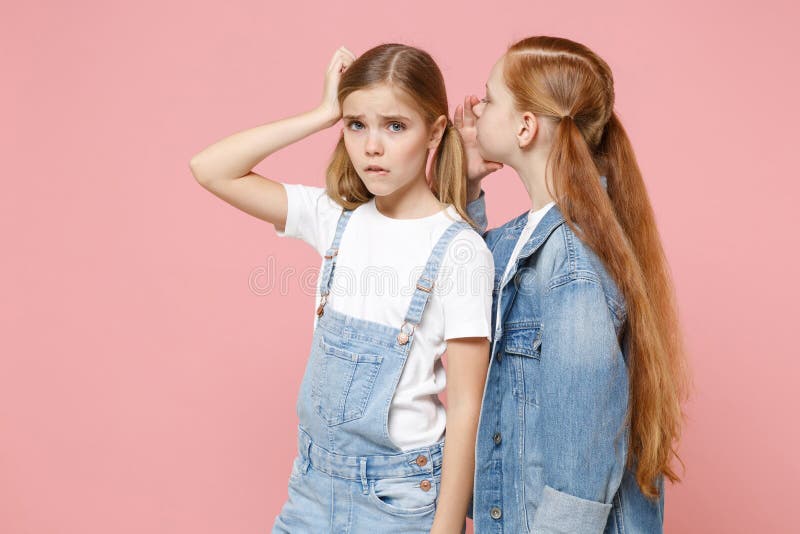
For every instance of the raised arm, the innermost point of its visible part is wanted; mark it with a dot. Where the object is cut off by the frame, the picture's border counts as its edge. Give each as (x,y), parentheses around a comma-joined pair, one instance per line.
(225,167)
(478,168)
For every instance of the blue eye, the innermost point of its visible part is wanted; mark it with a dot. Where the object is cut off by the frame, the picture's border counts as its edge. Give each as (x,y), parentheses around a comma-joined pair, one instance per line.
(400,125)
(355,125)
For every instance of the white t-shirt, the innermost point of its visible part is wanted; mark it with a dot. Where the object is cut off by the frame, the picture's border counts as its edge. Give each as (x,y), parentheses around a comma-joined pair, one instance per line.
(379,261)
(534,218)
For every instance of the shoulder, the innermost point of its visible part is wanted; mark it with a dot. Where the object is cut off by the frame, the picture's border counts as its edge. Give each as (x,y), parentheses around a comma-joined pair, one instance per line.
(493,236)
(312,196)
(311,215)
(569,261)
(468,249)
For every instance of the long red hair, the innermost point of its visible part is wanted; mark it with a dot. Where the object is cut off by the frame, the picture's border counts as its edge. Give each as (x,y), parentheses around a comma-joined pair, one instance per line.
(568,85)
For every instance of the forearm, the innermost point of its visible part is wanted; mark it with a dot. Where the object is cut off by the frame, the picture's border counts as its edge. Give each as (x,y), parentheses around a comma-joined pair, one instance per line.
(236,155)
(458,467)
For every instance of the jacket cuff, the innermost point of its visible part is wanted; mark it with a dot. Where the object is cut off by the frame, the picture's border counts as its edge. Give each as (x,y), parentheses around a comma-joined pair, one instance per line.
(477,210)
(561,513)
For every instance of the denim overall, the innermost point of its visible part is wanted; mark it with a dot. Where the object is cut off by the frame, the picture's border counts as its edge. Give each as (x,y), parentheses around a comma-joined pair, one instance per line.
(349,477)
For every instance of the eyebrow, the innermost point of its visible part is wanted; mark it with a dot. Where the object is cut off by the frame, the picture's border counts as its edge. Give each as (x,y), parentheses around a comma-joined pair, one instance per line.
(386,117)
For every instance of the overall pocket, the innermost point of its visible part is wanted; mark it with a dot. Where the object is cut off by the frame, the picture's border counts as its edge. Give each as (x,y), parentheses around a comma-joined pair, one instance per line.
(413,495)
(343,383)
(522,347)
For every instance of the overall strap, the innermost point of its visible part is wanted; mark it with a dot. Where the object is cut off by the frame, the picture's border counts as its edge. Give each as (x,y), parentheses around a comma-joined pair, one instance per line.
(426,281)
(330,260)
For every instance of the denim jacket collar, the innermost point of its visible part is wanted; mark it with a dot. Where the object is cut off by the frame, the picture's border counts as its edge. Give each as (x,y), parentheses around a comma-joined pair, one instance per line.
(511,232)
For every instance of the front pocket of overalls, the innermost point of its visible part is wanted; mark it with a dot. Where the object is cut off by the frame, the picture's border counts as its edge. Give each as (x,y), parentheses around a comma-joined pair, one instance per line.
(344,382)
(522,349)
(405,496)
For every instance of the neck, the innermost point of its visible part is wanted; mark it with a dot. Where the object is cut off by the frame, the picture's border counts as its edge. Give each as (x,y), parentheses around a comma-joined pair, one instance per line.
(532,170)
(412,201)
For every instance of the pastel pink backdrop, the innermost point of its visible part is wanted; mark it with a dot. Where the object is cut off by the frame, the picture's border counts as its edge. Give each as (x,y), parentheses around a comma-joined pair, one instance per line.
(148,370)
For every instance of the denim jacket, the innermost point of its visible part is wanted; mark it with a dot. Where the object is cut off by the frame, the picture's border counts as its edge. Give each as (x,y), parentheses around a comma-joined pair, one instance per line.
(552,437)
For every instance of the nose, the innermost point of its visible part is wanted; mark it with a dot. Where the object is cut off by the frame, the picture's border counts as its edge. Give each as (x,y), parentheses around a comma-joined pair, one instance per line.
(374,146)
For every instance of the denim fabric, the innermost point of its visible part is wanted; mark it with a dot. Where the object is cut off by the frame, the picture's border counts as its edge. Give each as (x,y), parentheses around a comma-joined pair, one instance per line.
(552,436)
(377,493)
(348,476)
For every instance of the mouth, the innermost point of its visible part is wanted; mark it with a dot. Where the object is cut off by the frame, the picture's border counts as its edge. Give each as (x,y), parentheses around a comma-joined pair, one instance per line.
(376,169)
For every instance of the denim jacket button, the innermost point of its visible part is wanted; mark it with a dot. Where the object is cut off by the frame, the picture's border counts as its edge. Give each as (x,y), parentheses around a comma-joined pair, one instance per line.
(421,460)
(497,438)
(496,512)
(425,485)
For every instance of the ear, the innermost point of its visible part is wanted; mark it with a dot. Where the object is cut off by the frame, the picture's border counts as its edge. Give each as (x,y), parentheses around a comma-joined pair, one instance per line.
(437,131)
(527,129)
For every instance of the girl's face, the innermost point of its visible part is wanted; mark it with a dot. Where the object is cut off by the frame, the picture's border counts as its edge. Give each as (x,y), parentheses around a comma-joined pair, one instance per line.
(497,119)
(386,138)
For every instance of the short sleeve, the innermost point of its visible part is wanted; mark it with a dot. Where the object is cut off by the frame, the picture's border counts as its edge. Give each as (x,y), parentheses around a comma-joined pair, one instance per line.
(465,287)
(311,216)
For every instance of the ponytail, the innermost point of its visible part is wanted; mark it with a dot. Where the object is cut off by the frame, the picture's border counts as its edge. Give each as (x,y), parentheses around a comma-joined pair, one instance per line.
(576,180)
(448,175)
(632,207)
(633,210)
(619,226)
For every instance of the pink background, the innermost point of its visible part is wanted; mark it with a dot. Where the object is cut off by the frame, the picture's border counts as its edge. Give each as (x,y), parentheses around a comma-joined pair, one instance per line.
(148,375)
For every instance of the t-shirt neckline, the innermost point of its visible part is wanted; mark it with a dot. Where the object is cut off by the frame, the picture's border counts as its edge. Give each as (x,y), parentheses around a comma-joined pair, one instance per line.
(416,220)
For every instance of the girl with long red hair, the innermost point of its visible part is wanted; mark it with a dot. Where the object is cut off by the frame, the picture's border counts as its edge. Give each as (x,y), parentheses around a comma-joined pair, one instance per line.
(582,406)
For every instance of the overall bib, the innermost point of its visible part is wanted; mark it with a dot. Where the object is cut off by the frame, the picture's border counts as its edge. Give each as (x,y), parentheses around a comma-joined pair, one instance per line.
(349,477)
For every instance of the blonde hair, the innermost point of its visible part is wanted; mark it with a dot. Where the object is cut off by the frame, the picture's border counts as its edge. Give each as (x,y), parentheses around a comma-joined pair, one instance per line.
(415,72)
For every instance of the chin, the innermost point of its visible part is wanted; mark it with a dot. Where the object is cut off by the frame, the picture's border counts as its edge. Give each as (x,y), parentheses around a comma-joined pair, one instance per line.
(489,156)
(379,187)
(483,152)
(380,190)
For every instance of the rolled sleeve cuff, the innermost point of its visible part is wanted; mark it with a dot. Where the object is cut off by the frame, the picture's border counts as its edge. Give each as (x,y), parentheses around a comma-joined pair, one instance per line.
(562,513)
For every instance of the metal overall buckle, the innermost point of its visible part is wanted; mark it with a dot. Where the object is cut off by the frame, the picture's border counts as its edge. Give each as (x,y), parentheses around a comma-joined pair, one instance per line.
(402,337)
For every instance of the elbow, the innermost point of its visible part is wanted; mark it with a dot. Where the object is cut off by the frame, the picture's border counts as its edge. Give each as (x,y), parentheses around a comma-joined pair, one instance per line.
(196,168)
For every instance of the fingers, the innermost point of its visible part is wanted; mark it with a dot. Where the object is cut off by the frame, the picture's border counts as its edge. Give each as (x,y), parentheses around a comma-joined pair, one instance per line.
(469,115)
(341,59)
(492,166)
(334,59)
(458,117)
(348,53)
(347,58)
